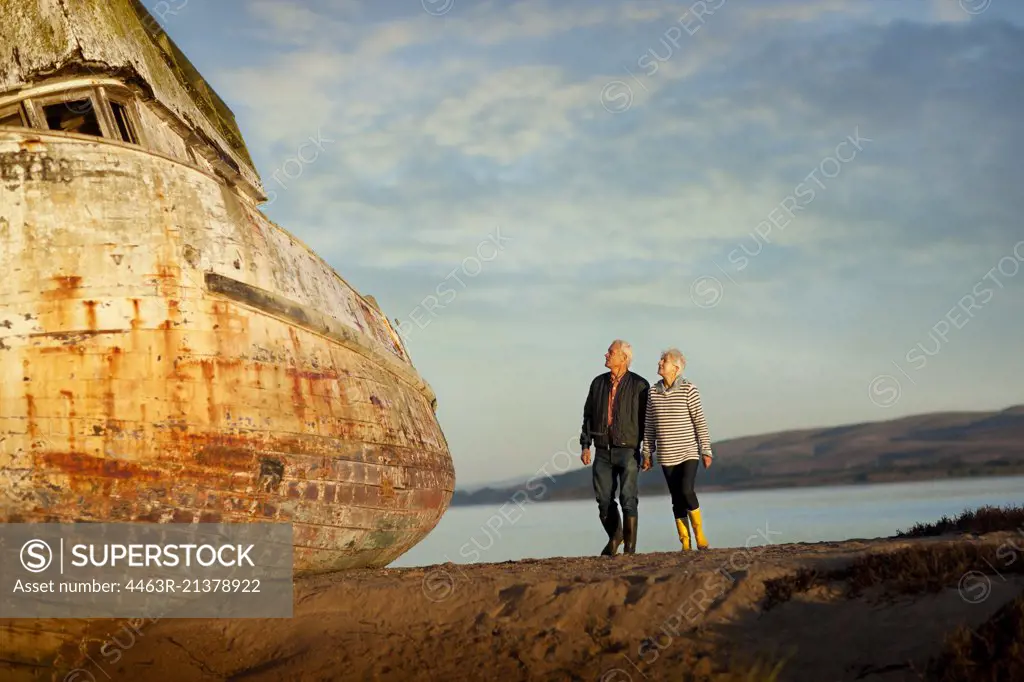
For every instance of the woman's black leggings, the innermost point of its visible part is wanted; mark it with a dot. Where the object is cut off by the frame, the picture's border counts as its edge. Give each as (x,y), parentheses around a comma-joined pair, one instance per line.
(680,478)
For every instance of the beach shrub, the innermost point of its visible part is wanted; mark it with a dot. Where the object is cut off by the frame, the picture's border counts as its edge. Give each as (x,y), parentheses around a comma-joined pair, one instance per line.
(993,651)
(923,568)
(978,521)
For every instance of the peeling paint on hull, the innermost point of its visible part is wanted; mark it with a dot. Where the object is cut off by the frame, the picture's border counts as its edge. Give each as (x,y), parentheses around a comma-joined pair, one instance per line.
(133,390)
(169,355)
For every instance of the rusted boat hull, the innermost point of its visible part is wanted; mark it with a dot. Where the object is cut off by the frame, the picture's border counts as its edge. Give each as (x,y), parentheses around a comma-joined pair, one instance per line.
(168,354)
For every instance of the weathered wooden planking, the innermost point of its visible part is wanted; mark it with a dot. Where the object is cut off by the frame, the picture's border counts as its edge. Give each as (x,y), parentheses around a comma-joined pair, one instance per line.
(156,328)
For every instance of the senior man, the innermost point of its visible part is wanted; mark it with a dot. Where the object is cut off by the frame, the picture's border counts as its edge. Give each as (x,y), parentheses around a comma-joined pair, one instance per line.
(613,420)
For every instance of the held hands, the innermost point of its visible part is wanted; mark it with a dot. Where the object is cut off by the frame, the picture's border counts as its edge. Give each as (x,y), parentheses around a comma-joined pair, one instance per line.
(585,458)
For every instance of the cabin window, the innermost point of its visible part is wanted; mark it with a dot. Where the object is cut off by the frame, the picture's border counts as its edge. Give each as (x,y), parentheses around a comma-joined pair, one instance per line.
(13,117)
(73,116)
(124,123)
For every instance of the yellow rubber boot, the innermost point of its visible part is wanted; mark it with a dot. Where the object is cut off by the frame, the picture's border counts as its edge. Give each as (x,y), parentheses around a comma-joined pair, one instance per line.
(698,530)
(684,534)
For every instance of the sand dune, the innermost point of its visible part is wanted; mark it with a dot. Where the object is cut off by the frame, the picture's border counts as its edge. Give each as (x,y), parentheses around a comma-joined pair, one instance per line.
(855,610)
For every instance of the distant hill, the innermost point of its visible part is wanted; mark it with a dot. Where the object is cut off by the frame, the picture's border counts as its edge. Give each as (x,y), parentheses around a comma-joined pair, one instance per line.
(919,447)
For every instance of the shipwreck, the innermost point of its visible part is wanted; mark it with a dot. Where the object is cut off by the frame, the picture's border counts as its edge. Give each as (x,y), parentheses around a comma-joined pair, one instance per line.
(167,353)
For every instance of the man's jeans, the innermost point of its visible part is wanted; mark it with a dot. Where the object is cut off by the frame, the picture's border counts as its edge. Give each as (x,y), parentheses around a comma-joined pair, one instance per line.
(617,467)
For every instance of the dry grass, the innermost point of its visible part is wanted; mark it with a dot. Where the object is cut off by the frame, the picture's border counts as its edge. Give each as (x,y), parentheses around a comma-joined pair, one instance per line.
(912,570)
(763,671)
(781,590)
(741,668)
(980,521)
(995,651)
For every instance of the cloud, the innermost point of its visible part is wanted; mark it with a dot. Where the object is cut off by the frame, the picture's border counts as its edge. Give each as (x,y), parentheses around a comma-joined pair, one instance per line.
(949,11)
(289,23)
(788,11)
(509,114)
(490,117)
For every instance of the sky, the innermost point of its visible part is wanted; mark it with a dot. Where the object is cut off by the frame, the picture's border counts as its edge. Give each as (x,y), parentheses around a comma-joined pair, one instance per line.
(820,202)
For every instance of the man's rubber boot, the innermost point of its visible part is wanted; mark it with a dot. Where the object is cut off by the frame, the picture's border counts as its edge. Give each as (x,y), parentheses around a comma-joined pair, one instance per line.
(698,529)
(684,534)
(629,536)
(613,527)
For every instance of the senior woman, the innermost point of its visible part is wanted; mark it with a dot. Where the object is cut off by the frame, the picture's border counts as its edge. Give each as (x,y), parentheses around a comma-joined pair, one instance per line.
(676,431)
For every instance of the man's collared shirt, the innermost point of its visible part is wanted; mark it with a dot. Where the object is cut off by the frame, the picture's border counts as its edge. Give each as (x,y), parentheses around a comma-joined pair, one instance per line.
(611,396)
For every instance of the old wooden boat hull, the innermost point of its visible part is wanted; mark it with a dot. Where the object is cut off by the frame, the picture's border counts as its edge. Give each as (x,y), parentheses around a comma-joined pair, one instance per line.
(168,354)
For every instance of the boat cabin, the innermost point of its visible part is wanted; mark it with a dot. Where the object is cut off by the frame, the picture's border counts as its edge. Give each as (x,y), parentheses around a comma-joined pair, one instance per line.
(108,112)
(106,68)
(107,109)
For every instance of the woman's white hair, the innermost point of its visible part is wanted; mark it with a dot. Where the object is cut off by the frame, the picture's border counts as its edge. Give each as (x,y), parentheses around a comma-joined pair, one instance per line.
(626,349)
(676,357)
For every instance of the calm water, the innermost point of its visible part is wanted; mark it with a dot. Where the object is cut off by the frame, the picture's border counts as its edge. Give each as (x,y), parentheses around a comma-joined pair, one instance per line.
(539,530)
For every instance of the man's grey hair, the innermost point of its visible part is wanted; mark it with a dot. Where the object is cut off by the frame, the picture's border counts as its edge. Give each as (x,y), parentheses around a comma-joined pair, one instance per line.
(676,357)
(626,349)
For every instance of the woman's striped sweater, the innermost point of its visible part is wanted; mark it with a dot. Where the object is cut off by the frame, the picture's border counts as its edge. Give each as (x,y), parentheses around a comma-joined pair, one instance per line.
(675,428)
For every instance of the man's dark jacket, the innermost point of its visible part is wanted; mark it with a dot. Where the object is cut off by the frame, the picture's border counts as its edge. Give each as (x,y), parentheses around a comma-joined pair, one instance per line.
(628,413)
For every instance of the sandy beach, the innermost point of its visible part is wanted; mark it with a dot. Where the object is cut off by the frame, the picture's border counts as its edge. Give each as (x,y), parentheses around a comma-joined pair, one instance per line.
(856,610)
